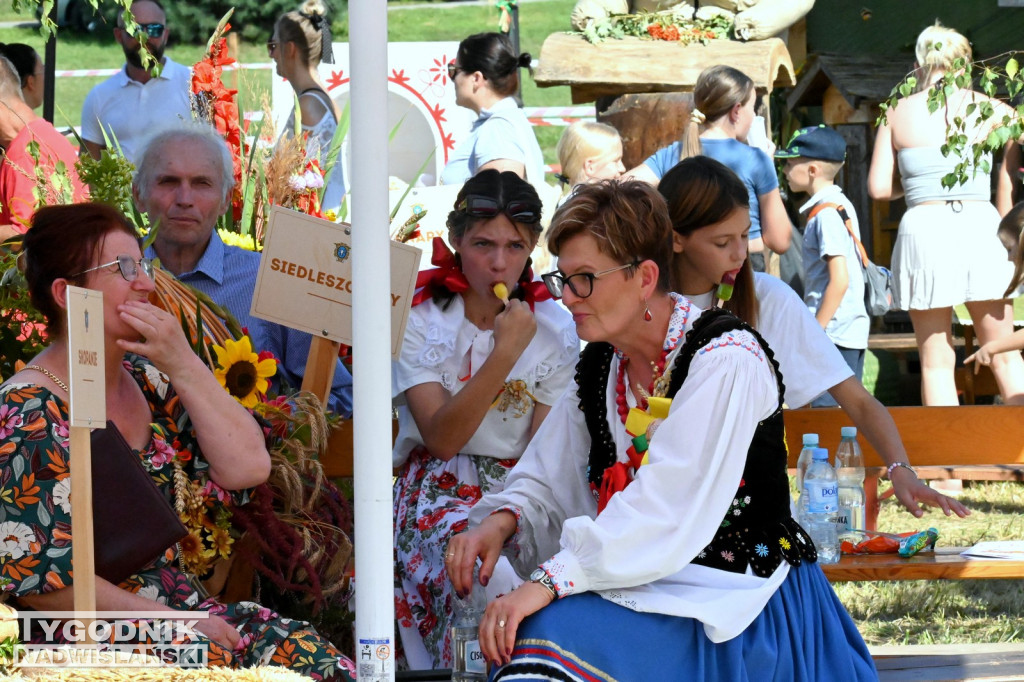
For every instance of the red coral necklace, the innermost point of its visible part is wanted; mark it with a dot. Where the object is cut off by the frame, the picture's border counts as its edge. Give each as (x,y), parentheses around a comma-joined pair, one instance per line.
(620,384)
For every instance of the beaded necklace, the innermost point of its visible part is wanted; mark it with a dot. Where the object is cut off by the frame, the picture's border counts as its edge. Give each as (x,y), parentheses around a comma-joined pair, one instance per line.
(658,368)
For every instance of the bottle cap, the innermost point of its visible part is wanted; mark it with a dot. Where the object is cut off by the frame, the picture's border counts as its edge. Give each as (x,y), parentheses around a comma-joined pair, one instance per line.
(820,454)
(848,432)
(810,440)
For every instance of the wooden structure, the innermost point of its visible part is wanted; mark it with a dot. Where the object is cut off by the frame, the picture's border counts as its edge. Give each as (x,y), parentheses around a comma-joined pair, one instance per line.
(849,89)
(980,442)
(642,86)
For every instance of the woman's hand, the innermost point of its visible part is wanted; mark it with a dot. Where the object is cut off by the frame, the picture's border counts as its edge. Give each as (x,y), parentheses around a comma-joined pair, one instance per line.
(484,541)
(220,631)
(162,339)
(912,493)
(502,618)
(514,328)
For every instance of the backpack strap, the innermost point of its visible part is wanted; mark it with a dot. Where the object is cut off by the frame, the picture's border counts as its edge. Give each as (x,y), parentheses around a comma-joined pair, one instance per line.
(818,208)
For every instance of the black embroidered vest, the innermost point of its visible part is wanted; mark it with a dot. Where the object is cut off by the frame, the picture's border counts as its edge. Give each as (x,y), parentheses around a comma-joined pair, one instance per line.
(758,529)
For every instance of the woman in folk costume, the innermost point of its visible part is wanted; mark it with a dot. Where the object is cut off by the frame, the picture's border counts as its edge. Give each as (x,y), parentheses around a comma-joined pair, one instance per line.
(476,377)
(661,547)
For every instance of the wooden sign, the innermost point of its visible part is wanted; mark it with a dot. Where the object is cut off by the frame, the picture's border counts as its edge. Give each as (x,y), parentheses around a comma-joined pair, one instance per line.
(85,358)
(305,278)
(88,410)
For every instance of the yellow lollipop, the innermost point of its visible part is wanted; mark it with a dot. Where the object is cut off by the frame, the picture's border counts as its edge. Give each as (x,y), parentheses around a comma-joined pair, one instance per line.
(501,291)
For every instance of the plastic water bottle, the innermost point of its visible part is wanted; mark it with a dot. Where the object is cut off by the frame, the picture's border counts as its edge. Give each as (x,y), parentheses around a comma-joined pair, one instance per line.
(468,664)
(850,475)
(804,460)
(820,501)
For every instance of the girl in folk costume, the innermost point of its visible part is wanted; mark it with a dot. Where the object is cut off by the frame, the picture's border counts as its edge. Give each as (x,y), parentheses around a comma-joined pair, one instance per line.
(476,377)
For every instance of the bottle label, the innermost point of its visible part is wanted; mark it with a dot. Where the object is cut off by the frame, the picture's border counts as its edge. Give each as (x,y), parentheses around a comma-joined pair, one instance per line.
(822,496)
(475,662)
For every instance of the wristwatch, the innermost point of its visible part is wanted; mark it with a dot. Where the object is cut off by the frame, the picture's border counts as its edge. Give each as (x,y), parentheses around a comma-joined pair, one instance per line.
(541,577)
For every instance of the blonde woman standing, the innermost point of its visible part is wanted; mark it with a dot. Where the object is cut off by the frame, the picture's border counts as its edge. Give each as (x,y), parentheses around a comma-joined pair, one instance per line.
(723,101)
(301,40)
(946,251)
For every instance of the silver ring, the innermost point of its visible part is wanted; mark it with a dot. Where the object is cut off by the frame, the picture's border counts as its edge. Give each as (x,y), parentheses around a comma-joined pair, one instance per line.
(501,623)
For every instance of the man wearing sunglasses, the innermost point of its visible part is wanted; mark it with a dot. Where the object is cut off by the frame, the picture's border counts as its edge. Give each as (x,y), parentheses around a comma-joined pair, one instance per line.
(134,102)
(183,183)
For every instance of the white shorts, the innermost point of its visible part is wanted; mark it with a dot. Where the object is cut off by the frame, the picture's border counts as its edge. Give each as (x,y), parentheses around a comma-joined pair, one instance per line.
(946,254)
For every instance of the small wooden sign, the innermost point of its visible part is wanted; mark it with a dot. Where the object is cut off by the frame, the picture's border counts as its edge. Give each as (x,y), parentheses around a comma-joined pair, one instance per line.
(305,278)
(85,358)
(88,410)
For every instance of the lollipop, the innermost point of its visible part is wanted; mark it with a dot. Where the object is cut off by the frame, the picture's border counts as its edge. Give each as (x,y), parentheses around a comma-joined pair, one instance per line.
(501,291)
(726,287)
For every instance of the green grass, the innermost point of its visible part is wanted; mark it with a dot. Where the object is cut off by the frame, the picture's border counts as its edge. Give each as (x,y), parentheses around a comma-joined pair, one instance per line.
(954,611)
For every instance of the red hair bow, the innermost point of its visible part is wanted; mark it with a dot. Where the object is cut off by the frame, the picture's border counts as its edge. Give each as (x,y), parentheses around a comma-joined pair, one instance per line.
(534,292)
(447,274)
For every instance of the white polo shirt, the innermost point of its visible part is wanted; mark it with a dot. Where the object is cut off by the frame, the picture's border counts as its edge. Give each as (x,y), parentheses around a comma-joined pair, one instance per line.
(129,110)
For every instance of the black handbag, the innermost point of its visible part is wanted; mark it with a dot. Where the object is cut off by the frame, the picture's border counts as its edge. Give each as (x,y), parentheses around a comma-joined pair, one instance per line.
(133,523)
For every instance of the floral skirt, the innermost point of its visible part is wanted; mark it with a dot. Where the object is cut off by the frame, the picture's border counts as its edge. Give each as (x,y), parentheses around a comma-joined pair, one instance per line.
(266,637)
(432,503)
(803,635)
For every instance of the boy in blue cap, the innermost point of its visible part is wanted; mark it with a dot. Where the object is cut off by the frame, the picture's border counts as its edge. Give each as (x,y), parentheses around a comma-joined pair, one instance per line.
(834,279)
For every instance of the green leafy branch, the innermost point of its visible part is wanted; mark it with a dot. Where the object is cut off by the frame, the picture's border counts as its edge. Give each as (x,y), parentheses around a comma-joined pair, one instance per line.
(1001,112)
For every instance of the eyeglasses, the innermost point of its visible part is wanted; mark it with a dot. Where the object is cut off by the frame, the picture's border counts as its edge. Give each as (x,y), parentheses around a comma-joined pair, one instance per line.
(452,70)
(153,30)
(128,266)
(581,284)
(271,46)
(485,207)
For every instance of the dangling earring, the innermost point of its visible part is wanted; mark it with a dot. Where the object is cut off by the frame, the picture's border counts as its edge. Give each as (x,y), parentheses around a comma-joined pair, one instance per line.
(647,312)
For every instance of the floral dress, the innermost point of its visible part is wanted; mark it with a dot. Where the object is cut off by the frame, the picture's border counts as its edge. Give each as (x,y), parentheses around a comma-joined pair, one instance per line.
(36,533)
(432,497)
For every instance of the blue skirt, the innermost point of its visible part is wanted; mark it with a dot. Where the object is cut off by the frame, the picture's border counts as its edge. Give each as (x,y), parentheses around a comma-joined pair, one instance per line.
(803,633)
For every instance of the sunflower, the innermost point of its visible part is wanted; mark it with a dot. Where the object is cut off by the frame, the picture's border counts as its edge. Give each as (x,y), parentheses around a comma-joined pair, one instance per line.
(241,372)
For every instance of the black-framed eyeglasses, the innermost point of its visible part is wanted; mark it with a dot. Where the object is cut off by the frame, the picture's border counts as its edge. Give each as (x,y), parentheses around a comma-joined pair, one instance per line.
(485,207)
(153,30)
(581,284)
(128,266)
(452,70)
(271,46)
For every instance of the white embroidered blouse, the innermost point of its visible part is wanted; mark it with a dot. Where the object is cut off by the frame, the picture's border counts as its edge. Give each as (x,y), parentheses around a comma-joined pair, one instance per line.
(637,553)
(442,346)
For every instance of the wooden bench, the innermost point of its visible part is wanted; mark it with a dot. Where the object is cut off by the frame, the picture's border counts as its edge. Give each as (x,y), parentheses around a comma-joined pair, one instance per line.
(939,440)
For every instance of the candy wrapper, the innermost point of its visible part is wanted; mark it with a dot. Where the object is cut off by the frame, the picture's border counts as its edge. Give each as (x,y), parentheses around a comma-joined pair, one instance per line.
(913,544)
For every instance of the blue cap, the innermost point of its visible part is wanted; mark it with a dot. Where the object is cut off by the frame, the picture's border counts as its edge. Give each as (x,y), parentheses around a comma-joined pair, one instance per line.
(820,454)
(848,432)
(817,142)
(810,439)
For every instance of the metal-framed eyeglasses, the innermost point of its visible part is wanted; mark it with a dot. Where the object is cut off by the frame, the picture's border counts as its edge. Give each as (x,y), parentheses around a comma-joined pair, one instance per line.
(128,266)
(581,283)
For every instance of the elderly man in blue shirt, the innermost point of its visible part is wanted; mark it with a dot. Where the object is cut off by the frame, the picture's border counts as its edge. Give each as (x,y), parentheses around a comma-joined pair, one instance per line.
(183,182)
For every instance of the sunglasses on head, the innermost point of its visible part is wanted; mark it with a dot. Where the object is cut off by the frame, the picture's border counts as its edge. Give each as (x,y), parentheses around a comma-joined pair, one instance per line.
(485,207)
(153,30)
(128,266)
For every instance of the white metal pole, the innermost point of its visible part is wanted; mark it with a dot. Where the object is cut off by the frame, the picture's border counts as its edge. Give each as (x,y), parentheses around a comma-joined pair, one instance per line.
(371,323)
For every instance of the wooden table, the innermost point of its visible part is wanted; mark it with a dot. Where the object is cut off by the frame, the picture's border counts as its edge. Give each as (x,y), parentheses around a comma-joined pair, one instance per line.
(944,563)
